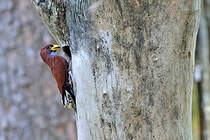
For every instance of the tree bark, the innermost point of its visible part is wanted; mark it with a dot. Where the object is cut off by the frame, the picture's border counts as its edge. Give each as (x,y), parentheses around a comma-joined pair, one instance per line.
(132,64)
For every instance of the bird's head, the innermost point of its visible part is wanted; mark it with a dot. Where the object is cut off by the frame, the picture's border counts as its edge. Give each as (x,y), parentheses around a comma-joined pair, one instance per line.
(55,48)
(50,48)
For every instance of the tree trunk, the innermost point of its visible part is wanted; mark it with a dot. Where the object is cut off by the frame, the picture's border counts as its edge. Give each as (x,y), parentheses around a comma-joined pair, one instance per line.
(132,65)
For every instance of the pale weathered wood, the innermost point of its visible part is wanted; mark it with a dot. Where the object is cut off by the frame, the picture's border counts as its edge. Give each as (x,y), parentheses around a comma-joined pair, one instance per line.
(132,64)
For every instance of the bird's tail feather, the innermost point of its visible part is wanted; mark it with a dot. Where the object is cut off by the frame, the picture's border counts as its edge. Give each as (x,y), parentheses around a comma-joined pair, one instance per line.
(63,97)
(71,99)
(71,92)
(68,99)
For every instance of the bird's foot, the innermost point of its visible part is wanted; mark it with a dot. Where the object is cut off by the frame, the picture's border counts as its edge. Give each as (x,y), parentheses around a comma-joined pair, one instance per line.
(69,102)
(70,106)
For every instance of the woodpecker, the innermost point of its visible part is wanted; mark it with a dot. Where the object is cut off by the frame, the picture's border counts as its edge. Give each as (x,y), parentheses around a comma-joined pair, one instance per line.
(60,70)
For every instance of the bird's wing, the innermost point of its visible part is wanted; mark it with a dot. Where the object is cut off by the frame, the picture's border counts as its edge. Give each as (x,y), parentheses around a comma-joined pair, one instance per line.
(62,61)
(59,67)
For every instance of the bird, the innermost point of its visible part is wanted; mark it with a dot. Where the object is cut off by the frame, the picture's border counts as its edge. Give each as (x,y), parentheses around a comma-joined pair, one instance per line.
(60,71)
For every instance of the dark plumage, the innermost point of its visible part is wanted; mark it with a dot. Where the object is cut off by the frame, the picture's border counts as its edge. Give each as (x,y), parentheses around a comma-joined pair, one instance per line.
(40,1)
(60,70)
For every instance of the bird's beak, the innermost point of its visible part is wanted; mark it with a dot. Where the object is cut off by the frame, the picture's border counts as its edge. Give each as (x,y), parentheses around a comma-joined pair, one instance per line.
(55,48)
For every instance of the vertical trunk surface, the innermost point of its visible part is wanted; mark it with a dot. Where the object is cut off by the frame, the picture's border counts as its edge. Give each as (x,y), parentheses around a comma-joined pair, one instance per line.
(132,64)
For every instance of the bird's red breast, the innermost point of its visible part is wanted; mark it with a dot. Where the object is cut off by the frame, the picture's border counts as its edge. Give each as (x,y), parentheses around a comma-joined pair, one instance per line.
(58,65)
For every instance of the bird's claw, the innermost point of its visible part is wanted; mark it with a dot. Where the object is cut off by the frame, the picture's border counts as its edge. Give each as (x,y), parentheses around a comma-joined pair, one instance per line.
(69,102)
(70,106)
